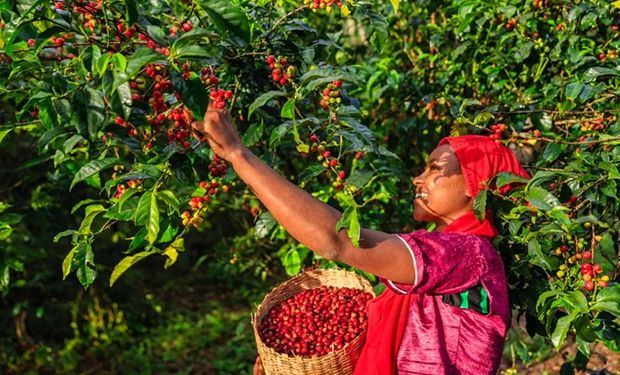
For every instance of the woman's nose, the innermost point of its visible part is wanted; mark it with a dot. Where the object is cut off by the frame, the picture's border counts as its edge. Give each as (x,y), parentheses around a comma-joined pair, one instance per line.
(418,179)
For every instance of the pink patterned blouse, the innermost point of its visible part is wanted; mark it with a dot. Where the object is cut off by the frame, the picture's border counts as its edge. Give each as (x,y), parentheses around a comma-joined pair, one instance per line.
(458,312)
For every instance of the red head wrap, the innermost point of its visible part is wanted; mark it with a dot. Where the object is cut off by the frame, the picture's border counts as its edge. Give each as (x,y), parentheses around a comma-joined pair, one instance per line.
(481,158)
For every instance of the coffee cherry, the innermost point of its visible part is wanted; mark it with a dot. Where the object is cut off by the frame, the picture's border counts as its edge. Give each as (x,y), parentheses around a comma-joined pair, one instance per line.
(187,26)
(586,255)
(31,42)
(59,42)
(589,285)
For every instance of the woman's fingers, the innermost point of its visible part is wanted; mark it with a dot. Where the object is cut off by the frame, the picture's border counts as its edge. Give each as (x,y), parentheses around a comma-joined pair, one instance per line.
(198,130)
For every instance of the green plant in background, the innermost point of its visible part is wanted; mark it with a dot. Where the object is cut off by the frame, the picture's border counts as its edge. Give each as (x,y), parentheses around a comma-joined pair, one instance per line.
(345,103)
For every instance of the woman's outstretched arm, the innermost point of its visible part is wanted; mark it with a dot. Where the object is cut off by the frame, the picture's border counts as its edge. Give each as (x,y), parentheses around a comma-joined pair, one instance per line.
(308,220)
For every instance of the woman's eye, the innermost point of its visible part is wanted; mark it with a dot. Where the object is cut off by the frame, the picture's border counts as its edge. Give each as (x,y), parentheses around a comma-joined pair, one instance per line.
(434,167)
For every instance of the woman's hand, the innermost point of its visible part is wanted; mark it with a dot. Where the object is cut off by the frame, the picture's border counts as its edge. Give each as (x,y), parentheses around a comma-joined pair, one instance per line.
(258,367)
(218,130)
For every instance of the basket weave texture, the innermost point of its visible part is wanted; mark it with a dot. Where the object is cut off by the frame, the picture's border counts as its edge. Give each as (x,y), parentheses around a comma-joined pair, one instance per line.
(341,362)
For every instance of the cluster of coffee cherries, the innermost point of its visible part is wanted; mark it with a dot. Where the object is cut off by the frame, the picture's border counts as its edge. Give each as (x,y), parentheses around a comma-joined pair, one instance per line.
(208,76)
(510,24)
(217,167)
(185,26)
(589,271)
(219,97)
(159,74)
(330,163)
(180,132)
(498,130)
(122,188)
(316,321)
(88,11)
(280,72)
(327,5)
(331,95)
(597,124)
(197,203)
(610,54)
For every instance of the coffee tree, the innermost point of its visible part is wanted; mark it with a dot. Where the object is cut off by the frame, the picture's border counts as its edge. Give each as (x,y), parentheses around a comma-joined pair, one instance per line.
(345,99)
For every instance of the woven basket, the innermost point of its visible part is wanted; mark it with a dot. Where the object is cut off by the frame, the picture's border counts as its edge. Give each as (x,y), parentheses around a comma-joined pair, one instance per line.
(339,362)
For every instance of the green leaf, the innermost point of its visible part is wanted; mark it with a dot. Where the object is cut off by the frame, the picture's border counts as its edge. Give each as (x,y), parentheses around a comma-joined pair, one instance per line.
(291,262)
(264,99)
(576,302)
(131,12)
(506,178)
(536,255)
(311,171)
(65,233)
(192,37)
(229,19)
(395,5)
(480,204)
(265,223)
(139,60)
(553,151)
(170,199)
(91,212)
(147,214)
(608,299)
(573,90)
(127,262)
(95,112)
(85,258)
(67,264)
(92,168)
(360,178)
(4,133)
(559,214)
(253,134)
(541,198)
(70,143)
(593,74)
(561,330)
(172,251)
(288,109)
(82,203)
(349,221)
(138,240)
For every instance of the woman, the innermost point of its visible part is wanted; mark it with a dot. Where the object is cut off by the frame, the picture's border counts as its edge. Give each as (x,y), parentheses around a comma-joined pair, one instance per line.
(445,310)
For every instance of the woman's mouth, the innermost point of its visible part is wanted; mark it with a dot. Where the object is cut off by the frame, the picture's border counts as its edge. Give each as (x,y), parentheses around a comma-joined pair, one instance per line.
(421,195)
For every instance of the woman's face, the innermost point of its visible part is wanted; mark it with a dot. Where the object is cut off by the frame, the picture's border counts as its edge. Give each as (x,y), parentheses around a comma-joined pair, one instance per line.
(441,191)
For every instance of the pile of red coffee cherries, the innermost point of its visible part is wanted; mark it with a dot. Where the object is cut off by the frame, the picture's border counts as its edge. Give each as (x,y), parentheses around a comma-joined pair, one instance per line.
(316,321)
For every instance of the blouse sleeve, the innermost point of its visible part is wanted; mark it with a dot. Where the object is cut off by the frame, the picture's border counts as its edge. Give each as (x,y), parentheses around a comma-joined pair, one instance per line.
(445,263)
